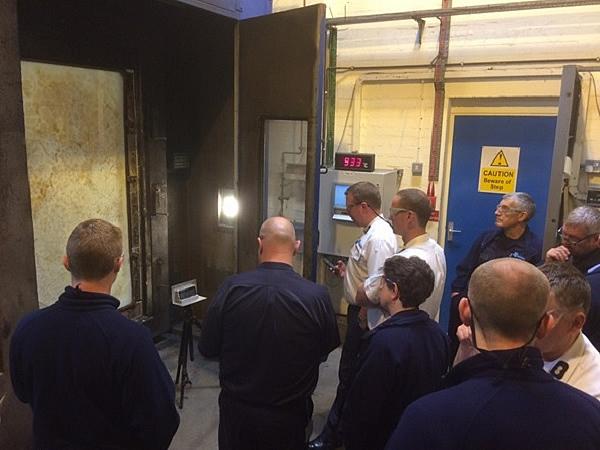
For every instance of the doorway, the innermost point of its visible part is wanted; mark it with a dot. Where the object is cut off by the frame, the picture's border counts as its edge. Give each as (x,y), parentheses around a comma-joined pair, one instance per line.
(470,209)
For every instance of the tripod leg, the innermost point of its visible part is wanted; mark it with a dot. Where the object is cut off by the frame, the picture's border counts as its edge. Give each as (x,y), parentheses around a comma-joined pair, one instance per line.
(191,342)
(181,358)
(185,342)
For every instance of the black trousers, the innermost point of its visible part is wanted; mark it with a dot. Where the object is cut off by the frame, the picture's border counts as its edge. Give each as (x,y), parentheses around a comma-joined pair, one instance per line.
(243,426)
(348,360)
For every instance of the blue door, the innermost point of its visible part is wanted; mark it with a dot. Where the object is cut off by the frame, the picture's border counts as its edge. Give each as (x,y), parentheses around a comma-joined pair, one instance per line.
(472,212)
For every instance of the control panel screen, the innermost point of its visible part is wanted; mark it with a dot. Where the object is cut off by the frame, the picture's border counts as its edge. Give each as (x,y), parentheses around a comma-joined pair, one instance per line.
(339,196)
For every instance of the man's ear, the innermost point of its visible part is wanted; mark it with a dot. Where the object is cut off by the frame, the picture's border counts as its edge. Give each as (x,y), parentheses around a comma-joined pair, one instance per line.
(65,261)
(544,326)
(260,245)
(464,311)
(119,264)
(579,320)
(297,246)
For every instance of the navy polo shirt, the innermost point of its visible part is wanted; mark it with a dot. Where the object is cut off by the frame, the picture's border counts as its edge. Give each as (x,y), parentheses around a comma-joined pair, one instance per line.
(270,329)
(493,245)
(405,358)
(591,328)
(497,401)
(93,378)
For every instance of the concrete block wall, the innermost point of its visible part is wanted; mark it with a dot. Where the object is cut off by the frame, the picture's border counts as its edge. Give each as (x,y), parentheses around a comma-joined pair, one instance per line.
(509,62)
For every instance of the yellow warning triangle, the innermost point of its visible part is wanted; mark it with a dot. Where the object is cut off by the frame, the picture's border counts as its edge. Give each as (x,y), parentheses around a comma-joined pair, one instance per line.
(499,160)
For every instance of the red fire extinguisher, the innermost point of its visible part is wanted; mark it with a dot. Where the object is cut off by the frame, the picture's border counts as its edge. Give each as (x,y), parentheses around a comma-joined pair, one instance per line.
(431,195)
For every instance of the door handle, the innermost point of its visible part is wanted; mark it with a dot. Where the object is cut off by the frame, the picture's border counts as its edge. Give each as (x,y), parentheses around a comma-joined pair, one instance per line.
(451,231)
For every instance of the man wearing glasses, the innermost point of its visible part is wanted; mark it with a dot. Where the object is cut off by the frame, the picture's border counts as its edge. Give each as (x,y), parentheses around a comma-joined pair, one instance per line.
(377,243)
(409,214)
(512,239)
(580,245)
(580,241)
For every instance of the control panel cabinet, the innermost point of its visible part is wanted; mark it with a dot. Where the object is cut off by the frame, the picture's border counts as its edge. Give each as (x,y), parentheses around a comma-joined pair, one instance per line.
(337,232)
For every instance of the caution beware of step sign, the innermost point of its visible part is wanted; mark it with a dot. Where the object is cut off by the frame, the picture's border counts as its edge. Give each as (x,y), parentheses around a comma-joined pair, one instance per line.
(498,169)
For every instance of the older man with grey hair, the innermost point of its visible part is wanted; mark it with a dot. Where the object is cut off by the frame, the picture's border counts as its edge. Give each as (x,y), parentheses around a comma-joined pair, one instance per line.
(580,239)
(512,239)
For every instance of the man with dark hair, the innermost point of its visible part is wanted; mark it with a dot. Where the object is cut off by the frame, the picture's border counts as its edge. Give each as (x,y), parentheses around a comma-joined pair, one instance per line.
(93,378)
(405,356)
(512,239)
(501,398)
(409,214)
(568,354)
(367,256)
(580,245)
(270,329)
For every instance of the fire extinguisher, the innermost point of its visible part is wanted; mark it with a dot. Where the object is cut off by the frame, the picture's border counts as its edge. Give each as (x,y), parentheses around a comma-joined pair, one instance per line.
(431,195)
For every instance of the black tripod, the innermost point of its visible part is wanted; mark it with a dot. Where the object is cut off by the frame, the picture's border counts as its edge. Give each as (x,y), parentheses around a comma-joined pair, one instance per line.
(187,342)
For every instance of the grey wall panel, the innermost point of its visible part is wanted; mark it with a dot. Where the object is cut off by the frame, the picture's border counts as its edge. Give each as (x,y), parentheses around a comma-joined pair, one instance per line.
(17,264)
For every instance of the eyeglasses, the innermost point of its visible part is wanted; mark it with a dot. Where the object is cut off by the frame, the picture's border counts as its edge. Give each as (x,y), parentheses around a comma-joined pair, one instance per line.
(573,241)
(388,281)
(503,209)
(352,205)
(394,211)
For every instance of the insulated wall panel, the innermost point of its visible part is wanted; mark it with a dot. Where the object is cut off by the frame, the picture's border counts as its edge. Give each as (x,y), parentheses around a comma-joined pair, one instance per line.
(76,162)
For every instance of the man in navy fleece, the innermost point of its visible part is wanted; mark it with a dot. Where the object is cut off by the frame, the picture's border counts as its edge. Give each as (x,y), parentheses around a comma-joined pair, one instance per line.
(93,378)
(501,398)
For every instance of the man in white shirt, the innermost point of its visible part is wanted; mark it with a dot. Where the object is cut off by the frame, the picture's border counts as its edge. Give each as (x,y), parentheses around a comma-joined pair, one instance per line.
(568,354)
(410,213)
(367,256)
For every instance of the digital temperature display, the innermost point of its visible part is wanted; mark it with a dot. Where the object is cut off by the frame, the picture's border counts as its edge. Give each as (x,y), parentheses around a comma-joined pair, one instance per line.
(359,162)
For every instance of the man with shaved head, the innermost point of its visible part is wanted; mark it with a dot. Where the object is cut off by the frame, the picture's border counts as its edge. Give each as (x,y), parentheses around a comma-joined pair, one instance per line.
(270,329)
(501,398)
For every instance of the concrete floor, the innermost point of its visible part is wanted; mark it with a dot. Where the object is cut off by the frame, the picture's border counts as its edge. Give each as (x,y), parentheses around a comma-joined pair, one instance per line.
(198,429)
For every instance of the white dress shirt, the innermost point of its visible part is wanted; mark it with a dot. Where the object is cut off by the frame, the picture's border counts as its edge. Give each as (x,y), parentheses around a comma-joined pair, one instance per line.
(367,256)
(578,367)
(429,251)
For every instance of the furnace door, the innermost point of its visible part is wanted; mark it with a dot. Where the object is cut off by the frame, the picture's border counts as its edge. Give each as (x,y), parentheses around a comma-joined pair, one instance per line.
(281,60)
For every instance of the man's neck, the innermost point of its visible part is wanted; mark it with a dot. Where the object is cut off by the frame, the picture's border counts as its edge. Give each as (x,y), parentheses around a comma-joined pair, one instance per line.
(276,258)
(368,218)
(411,234)
(492,341)
(515,232)
(561,349)
(103,286)
(397,307)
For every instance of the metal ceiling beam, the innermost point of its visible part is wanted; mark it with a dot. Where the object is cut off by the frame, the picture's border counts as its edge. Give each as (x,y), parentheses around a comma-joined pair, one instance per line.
(460,10)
